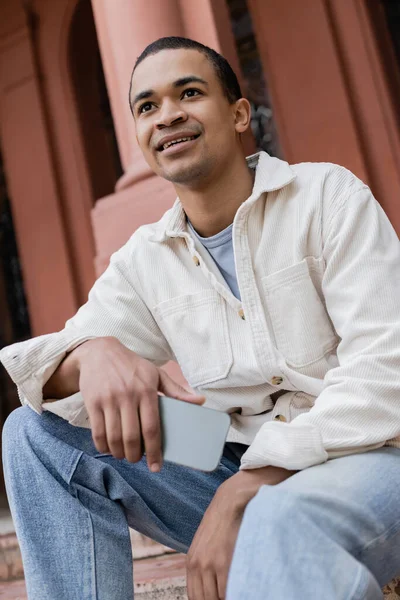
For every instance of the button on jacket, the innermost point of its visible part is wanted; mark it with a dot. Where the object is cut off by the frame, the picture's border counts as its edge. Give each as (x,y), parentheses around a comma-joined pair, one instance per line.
(318,269)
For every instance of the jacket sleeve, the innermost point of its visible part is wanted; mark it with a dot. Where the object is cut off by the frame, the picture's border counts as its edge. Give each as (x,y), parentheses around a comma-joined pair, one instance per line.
(359,407)
(114,308)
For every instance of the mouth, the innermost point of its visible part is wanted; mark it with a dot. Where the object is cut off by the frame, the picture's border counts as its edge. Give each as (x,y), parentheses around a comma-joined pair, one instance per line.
(178,144)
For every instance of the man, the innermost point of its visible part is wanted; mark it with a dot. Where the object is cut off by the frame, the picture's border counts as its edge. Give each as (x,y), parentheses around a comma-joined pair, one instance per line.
(276,288)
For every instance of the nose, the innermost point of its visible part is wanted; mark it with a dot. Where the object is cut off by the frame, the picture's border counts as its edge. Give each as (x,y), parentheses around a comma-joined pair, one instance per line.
(170,114)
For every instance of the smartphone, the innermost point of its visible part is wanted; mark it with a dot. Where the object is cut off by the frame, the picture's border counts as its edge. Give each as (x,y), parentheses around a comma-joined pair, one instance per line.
(192,435)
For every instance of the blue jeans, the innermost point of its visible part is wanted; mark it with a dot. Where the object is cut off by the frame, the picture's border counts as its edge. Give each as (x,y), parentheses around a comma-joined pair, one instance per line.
(331,531)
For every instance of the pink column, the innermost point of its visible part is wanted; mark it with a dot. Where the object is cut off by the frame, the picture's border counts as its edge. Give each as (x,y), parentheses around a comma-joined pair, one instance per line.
(124,29)
(32,183)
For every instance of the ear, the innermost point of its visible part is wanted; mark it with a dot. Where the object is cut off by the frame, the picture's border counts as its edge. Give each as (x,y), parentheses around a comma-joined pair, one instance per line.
(242,115)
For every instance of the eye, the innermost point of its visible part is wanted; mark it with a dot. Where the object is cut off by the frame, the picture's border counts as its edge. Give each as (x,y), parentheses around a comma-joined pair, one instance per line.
(191,92)
(144,107)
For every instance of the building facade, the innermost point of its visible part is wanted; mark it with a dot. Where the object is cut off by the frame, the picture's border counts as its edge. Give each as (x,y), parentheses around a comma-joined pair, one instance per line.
(323,78)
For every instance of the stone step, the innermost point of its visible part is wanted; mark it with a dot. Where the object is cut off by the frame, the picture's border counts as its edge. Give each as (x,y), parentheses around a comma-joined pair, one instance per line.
(13,590)
(159,572)
(156,578)
(160,577)
(10,557)
(144,547)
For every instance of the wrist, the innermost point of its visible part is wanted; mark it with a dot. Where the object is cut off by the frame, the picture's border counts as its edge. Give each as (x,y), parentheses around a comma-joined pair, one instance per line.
(65,379)
(244,485)
(80,353)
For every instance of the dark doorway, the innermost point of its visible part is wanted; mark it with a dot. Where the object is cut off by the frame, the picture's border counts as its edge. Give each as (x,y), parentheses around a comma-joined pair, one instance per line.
(385,19)
(96,122)
(14,317)
(255,84)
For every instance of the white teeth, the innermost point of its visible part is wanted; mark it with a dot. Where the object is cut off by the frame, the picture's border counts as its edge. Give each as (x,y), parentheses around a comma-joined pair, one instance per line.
(185,139)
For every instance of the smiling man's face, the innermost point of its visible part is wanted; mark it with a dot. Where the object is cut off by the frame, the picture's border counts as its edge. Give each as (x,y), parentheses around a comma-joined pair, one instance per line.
(176,94)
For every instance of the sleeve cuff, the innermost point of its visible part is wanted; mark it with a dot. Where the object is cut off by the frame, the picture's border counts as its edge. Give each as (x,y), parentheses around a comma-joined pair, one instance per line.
(287,445)
(31,363)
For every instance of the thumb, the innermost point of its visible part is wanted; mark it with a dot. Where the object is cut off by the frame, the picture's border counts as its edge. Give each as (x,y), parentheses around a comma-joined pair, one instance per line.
(171,388)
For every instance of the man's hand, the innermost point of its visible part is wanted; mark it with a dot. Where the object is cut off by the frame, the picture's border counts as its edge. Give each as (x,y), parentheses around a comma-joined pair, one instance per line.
(210,554)
(120,393)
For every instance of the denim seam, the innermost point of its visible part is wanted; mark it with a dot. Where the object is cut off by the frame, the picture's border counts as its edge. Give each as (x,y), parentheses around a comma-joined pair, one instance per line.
(76,453)
(354,595)
(93,591)
(74,466)
(358,591)
(382,537)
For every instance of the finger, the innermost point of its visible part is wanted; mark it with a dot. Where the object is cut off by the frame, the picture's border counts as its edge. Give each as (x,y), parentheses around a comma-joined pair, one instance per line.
(222,582)
(210,586)
(171,388)
(198,589)
(189,586)
(194,586)
(114,431)
(131,435)
(98,427)
(151,429)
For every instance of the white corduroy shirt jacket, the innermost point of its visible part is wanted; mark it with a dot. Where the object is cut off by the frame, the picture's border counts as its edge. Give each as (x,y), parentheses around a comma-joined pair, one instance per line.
(318,268)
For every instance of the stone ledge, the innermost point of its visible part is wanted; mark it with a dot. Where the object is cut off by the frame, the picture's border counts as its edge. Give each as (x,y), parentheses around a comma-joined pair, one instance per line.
(11,567)
(392,590)
(13,590)
(144,547)
(160,577)
(10,558)
(156,578)
(153,584)
(159,572)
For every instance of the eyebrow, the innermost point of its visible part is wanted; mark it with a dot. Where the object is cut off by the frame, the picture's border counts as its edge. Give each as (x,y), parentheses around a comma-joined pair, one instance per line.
(177,84)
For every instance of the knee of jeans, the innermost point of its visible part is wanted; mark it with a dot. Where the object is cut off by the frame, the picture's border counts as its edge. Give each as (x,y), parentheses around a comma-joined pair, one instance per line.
(287,509)
(16,424)
(279,506)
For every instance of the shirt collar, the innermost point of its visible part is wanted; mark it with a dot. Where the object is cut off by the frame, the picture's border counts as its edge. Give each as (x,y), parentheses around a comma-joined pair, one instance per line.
(271,174)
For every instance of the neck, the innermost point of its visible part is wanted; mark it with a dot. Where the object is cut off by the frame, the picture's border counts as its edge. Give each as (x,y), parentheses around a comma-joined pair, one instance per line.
(212,206)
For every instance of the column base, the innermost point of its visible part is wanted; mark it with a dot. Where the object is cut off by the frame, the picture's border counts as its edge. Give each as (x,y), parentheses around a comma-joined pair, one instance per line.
(138,171)
(117,216)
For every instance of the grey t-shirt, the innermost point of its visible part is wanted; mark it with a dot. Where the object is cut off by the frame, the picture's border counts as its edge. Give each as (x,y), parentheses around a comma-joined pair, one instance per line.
(220,247)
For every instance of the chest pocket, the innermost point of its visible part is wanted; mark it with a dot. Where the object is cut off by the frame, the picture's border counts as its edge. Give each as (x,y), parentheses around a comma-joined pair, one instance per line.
(302,327)
(196,328)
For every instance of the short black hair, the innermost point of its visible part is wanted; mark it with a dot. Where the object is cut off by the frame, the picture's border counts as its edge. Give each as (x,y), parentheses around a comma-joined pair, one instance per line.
(223,69)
